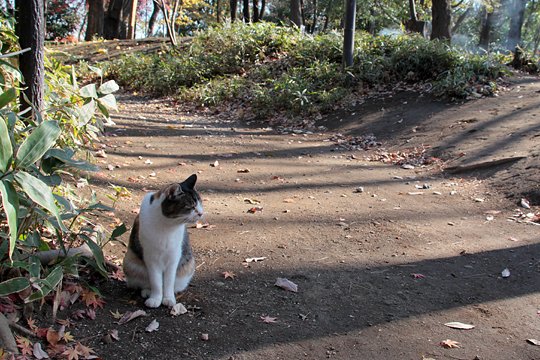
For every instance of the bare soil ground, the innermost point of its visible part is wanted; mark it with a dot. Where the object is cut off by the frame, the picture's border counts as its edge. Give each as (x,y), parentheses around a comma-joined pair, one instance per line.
(379,272)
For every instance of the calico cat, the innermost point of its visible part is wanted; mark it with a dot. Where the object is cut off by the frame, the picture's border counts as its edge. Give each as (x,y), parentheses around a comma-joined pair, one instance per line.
(159,260)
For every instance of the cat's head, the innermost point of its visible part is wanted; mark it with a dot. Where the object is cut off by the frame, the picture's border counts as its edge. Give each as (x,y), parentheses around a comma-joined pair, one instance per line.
(181,201)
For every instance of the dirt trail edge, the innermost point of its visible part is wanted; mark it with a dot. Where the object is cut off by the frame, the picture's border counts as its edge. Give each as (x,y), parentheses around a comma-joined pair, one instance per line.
(383,255)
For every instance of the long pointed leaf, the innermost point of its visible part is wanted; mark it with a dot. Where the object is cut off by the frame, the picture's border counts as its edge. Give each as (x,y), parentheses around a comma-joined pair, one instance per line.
(48,284)
(6,150)
(10,202)
(14,285)
(40,140)
(98,256)
(40,193)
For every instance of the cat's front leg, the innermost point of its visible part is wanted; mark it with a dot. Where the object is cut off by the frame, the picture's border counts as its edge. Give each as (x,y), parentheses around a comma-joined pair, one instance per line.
(169,277)
(156,287)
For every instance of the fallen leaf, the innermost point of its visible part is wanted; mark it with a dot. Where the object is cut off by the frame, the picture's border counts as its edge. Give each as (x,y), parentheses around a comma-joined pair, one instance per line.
(534,342)
(288,201)
(91,314)
(178,309)
(251,201)
(67,337)
(449,344)
(254,209)
(52,336)
(148,162)
(153,326)
(204,337)
(244,171)
(268,319)
(228,275)
(24,345)
(85,351)
(525,203)
(418,276)
(479,200)
(114,334)
(255,259)
(101,154)
(215,164)
(286,284)
(71,353)
(39,353)
(130,315)
(459,325)
(505,273)
(90,298)
(490,218)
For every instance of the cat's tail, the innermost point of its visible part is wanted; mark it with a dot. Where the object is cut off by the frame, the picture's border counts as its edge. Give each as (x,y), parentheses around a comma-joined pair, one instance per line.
(135,271)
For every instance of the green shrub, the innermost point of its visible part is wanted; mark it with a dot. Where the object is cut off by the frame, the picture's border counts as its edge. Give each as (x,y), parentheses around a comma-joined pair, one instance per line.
(278,69)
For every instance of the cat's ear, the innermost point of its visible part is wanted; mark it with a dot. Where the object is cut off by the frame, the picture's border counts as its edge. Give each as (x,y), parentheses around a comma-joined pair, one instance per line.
(189,183)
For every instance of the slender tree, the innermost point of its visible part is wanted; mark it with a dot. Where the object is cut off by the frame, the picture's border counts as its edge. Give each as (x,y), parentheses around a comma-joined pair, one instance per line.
(441,12)
(516,14)
(234,9)
(348,38)
(246,11)
(296,13)
(255,11)
(153,18)
(486,18)
(95,19)
(31,31)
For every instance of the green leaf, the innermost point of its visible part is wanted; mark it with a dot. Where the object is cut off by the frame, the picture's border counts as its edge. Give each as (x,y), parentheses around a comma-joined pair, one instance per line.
(40,193)
(86,112)
(96,70)
(14,285)
(109,101)
(66,156)
(40,140)
(47,285)
(98,256)
(10,202)
(89,91)
(8,96)
(118,231)
(35,267)
(6,150)
(108,87)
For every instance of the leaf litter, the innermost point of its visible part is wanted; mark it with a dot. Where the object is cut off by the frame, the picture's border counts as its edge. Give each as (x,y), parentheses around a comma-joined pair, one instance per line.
(286,284)
(130,315)
(459,325)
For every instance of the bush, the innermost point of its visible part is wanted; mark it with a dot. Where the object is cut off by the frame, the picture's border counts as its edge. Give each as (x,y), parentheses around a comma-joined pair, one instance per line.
(276,68)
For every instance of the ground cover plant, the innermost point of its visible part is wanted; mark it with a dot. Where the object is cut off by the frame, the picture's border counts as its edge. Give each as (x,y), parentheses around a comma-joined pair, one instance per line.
(45,225)
(276,68)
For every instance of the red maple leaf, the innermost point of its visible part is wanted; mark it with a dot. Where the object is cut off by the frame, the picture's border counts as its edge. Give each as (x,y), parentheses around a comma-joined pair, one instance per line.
(71,353)
(25,345)
(418,276)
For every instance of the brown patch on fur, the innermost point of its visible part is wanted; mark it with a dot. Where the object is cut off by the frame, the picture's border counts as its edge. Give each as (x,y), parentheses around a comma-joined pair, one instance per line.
(186,269)
(135,270)
(167,190)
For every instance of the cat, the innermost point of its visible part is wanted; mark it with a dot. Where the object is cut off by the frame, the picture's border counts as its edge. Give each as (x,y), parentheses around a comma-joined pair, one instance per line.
(159,260)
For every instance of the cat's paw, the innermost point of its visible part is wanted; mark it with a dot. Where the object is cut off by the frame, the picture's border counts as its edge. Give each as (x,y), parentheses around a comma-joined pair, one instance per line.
(152,302)
(145,293)
(168,301)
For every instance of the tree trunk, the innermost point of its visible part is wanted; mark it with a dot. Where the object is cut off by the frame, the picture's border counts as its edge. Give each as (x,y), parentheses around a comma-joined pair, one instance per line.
(234,9)
(218,11)
(113,18)
(348,39)
(153,18)
(460,19)
(31,31)
(255,11)
(314,22)
(412,10)
(95,19)
(132,20)
(296,13)
(441,12)
(125,17)
(516,14)
(485,30)
(261,12)
(246,11)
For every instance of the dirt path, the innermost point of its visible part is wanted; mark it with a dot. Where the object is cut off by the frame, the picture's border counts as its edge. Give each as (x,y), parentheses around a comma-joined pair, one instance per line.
(379,272)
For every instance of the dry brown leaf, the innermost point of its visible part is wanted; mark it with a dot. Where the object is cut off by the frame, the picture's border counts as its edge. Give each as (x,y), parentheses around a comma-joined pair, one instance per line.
(130,315)
(71,353)
(251,201)
(459,325)
(228,275)
(533,342)
(117,315)
(52,336)
(255,259)
(286,284)
(114,334)
(243,171)
(204,337)
(153,326)
(449,344)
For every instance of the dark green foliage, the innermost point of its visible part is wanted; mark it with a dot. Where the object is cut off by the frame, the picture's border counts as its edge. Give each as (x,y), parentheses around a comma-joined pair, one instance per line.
(61,19)
(273,68)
